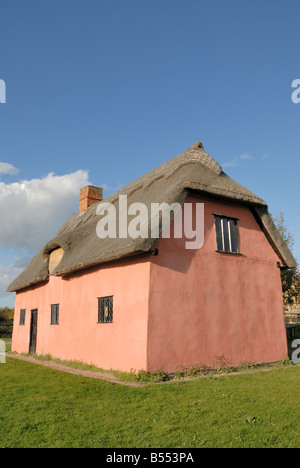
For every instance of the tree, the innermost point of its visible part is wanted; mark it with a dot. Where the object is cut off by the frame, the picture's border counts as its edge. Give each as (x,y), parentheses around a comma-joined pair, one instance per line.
(6,322)
(6,314)
(291,277)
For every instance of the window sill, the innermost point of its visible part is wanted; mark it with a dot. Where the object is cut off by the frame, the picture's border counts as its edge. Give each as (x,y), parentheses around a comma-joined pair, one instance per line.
(230,253)
(104,323)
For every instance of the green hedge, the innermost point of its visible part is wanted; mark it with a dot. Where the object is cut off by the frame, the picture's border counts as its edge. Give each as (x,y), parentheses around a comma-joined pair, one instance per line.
(6,330)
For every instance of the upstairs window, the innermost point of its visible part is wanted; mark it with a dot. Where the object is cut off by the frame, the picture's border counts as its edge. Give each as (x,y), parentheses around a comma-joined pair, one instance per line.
(55,314)
(105,309)
(22,316)
(227,234)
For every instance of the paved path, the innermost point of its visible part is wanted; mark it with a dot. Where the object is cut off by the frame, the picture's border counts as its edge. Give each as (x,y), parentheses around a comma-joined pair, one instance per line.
(94,375)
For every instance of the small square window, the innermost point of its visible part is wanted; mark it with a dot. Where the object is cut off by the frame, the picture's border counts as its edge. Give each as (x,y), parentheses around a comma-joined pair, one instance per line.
(55,314)
(105,309)
(227,234)
(22,316)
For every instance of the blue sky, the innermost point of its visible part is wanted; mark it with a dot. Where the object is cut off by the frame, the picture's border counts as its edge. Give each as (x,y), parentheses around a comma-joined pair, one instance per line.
(101,91)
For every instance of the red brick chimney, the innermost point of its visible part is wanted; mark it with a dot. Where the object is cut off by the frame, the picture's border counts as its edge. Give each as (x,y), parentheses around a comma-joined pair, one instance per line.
(89,196)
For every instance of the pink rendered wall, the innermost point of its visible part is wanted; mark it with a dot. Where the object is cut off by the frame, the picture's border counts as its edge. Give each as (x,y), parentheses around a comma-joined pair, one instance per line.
(205,304)
(119,345)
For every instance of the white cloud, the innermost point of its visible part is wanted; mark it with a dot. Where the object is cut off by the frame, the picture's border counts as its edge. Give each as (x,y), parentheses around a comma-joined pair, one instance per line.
(230,164)
(246,156)
(9,169)
(243,157)
(32,211)
(7,275)
(236,160)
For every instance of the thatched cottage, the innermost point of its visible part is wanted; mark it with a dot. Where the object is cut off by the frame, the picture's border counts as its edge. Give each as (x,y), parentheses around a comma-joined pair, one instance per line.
(149,302)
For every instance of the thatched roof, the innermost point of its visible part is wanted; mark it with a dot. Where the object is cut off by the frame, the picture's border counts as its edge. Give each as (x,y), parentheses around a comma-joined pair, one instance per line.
(192,171)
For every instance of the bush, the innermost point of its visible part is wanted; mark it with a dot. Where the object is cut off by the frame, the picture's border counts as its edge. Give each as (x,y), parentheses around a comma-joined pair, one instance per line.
(6,322)
(6,329)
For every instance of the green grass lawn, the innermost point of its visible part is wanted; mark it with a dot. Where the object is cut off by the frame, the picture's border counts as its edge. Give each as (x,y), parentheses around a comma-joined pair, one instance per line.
(41,407)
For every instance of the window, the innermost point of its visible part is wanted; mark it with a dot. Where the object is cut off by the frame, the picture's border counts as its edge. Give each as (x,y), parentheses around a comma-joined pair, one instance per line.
(55,314)
(22,316)
(105,309)
(227,234)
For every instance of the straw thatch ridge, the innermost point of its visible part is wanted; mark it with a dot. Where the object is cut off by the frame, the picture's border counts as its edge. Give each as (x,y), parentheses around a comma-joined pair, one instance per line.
(192,171)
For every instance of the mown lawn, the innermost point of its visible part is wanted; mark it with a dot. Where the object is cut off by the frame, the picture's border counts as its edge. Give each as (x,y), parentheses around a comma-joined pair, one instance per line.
(41,407)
